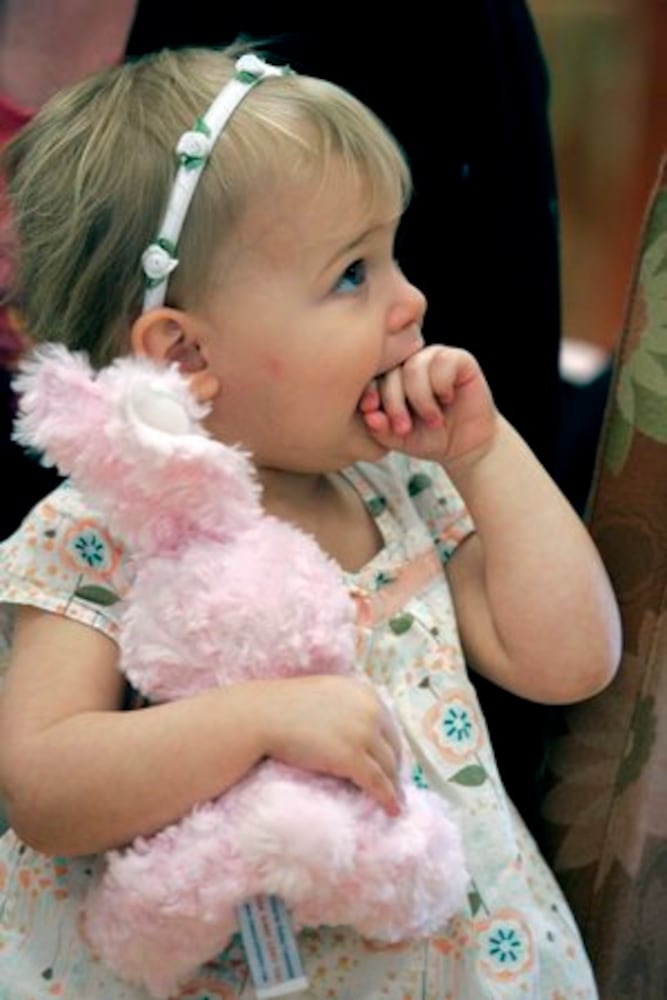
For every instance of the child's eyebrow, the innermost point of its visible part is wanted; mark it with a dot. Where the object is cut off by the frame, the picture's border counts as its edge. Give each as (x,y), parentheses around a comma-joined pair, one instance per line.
(349,247)
(358,241)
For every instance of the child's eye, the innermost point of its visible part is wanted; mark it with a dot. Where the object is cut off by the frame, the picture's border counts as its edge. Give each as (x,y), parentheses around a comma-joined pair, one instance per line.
(352,277)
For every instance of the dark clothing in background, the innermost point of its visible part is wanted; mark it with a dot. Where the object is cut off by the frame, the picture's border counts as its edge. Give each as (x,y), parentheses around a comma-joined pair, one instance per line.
(24,480)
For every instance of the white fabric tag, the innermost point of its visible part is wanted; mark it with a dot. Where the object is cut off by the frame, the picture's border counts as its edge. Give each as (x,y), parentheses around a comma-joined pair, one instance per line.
(271,948)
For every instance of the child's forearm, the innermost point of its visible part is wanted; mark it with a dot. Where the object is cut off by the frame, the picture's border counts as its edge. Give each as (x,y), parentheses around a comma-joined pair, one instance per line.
(548,595)
(98,779)
(81,776)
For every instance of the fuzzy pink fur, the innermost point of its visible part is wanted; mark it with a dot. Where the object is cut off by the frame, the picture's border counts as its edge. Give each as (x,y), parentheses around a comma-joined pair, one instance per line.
(224,593)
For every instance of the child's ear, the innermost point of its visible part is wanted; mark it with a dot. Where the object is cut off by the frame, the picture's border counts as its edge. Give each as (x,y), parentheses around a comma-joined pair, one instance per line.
(174,337)
(168,335)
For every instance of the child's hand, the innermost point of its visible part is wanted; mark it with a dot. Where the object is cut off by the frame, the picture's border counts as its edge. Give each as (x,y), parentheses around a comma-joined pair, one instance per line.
(436,405)
(338,726)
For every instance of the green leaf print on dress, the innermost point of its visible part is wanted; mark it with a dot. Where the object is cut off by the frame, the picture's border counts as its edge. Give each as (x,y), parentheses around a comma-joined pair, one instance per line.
(418,483)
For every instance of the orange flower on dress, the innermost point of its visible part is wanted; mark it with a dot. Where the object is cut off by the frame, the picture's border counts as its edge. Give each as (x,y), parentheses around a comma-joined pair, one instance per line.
(89,549)
(454,726)
(505,945)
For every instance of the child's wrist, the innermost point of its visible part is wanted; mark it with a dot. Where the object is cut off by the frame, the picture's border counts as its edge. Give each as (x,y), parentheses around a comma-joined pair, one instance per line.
(462,468)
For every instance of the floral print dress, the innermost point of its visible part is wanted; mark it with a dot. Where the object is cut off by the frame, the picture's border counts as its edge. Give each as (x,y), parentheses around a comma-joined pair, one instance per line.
(514,940)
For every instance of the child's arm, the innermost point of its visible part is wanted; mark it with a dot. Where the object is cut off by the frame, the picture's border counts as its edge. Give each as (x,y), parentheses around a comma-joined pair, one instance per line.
(535,608)
(81,776)
(534,604)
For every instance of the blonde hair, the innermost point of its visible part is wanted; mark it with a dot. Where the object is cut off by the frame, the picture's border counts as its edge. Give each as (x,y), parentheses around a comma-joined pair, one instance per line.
(89,179)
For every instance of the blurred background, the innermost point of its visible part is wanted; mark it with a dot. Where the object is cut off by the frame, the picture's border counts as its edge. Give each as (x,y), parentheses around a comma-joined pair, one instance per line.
(608,67)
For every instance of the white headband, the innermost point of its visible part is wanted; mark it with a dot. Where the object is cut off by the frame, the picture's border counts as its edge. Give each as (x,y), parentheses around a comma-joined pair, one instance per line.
(194,148)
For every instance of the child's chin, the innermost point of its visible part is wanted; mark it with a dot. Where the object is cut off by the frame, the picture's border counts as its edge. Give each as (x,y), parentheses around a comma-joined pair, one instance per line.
(372,450)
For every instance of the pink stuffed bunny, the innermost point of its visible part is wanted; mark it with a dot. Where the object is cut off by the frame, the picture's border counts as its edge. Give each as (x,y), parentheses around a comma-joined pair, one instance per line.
(225,593)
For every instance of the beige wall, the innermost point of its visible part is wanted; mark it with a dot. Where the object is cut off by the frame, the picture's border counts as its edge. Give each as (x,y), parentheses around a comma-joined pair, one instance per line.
(608,67)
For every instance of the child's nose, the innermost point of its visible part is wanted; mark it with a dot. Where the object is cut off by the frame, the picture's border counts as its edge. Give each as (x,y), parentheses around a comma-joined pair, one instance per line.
(408,308)
(404,325)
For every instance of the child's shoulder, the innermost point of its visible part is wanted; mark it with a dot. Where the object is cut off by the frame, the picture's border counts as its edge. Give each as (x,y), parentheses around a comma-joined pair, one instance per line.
(57,514)
(63,559)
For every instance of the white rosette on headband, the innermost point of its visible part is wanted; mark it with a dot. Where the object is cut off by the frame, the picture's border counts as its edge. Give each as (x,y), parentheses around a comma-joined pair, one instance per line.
(193,150)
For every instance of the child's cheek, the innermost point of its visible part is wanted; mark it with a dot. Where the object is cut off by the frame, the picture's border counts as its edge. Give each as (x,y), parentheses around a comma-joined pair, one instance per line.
(274,367)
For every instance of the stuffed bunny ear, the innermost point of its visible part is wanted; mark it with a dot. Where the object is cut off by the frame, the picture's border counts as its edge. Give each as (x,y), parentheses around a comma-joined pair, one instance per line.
(65,405)
(131,439)
(57,396)
(160,410)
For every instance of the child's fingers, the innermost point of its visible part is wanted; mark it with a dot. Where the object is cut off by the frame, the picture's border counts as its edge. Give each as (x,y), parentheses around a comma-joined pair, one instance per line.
(419,388)
(377,771)
(379,777)
(340,726)
(370,399)
(425,400)
(394,403)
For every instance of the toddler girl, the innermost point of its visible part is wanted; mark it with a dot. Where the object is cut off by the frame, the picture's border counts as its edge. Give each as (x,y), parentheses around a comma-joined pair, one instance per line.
(260,260)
